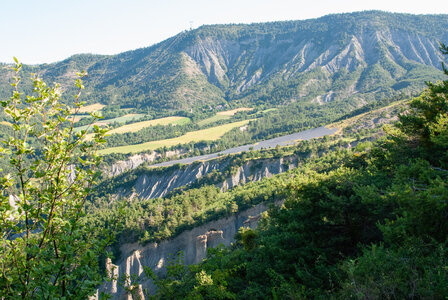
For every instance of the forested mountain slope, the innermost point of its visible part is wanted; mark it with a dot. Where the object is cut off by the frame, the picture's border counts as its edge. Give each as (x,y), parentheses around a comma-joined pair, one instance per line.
(357,56)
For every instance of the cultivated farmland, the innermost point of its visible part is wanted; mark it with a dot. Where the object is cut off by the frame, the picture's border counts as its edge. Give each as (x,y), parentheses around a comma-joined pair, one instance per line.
(5,123)
(209,134)
(91,108)
(140,125)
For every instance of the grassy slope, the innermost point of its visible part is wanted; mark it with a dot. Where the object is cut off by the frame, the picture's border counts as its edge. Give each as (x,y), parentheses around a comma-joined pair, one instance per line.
(341,125)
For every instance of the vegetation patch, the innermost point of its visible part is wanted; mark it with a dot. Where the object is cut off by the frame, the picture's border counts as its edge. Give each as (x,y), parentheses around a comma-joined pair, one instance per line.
(223,115)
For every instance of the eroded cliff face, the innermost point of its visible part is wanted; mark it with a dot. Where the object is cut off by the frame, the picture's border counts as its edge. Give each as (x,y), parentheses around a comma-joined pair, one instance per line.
(193,244)
(242,65)
(152,185)
(256,170)
(157,184)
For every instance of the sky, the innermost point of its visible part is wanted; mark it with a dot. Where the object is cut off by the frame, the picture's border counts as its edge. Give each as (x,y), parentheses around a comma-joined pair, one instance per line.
(45,31)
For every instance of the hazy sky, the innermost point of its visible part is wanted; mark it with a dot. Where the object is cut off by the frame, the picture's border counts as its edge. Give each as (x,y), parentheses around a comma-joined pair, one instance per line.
(38,31)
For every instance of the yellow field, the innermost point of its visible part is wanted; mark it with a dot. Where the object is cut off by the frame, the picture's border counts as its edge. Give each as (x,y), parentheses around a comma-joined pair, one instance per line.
(233,111)
(134,127)
(209,134)
(91,108)
(140,125)
(5,123)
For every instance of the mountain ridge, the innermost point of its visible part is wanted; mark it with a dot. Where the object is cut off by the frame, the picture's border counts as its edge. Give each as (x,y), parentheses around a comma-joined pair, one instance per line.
(359,57)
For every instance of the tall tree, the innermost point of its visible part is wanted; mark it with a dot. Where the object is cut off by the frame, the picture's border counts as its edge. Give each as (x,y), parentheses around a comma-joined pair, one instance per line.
(47,251)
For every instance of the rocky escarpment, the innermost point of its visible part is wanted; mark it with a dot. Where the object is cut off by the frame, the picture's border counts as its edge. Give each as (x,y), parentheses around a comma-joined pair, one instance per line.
(256,170)
(339,62)
(132,162)
(158,183)
(192,243)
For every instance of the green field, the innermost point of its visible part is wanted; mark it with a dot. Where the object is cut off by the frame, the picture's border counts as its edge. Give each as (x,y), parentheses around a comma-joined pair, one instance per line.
(213,119)
(234,111)
(223,115)
(268,110)
(209,134)
(123,119)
